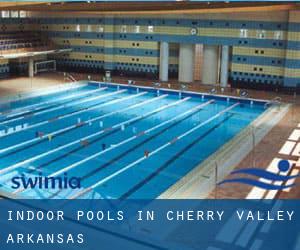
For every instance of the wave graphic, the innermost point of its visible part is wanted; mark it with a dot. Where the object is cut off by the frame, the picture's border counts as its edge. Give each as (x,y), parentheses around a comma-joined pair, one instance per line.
(283,166)
(264,174)
(257,183)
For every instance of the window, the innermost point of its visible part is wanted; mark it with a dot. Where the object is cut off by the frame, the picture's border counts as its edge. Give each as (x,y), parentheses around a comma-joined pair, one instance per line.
(150,29)
(278,35)
(5,14)
(14,14)
(22,14)
(137,29)
(123,29)
(100,29)
(243,33)
(89,28)
(261,34)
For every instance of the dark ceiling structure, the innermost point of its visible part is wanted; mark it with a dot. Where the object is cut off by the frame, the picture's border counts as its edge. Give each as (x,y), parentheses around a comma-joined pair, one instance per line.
(141,7)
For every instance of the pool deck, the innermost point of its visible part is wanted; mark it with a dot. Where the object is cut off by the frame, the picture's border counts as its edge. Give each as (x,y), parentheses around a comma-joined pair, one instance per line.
(282,142)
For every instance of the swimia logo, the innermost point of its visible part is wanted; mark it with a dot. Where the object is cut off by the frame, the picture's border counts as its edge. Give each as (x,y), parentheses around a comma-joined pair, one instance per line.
(44,182)
(267,180)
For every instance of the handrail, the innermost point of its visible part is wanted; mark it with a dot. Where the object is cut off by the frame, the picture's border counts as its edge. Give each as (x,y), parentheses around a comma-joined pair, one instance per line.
(213,91)
(275,101)
(70,77)
(183,87)
(156,85)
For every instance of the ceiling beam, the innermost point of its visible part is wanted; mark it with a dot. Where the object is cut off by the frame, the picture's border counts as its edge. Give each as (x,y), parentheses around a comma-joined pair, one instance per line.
(198,11)
(18,5)
(150,8)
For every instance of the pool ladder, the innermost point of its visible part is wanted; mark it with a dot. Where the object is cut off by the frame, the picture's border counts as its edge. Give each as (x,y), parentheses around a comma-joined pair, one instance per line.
(157,85)
(69,77)
(274,102)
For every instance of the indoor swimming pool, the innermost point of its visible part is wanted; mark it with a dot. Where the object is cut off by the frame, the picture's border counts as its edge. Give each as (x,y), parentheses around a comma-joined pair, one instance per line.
(121,141)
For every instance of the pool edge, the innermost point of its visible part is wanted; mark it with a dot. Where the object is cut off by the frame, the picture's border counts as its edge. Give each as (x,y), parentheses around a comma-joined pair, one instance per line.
(175,91)
(201,181)
(39,92)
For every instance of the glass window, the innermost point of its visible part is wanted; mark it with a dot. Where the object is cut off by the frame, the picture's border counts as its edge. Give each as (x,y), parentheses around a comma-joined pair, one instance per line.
(137,29)
(89,28)
(123,29)
(22,14)
(243,33)
(150,29)
(5,14)
(261,34)
(14,14)
(278,35)
(100,29)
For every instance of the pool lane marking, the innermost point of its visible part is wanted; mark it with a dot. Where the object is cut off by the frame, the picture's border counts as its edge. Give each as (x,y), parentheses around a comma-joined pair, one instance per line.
(44,93)
(48,104)
(138,118)
(81,124)
(45,104)
(82,110)
(80,193)
(16,165)
(78,125)
(8,148)
(14,111)
(139,144)
(175,121)
(129,149)
(138,135)
(44,111)
(45,164)
(117,126)
(94,119)
(156,172)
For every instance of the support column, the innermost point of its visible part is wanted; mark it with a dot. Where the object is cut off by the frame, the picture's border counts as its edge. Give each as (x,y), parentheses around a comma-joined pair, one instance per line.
(224,66)
(31,67)
(198,62)
(164,62)
(210,64)
(186,63)
(108,44)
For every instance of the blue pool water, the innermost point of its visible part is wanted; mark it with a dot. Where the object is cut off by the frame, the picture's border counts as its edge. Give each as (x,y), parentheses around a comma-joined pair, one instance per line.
(123,142)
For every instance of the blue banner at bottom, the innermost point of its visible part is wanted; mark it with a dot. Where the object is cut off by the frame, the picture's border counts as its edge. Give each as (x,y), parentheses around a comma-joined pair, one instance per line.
(150,224)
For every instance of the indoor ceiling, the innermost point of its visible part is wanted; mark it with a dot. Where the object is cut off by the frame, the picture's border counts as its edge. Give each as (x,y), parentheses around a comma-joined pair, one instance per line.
(140,7)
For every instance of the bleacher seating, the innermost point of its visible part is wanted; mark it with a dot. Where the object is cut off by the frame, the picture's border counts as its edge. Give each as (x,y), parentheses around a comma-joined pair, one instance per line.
(23,42)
